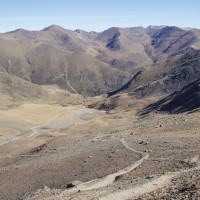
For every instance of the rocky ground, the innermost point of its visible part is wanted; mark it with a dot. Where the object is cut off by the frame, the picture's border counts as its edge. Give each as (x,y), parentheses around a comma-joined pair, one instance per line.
(77,153)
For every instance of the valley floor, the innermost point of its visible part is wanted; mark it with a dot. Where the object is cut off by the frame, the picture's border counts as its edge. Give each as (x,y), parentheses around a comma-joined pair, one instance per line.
(72,152)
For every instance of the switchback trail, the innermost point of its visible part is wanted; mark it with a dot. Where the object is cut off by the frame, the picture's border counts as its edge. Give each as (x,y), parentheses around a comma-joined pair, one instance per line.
(151,186)
(109,179)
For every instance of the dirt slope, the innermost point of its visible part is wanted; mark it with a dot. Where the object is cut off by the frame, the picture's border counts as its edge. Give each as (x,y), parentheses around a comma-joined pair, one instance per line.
(14,90)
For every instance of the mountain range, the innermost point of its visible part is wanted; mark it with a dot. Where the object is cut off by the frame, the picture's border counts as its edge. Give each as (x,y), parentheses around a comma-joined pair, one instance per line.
(164,58)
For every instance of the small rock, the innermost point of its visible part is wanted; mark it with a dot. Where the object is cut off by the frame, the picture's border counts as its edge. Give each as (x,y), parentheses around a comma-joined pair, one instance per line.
(147,151)
(73,184)
(113,151)
(144,142)
(149,177)
(95,140)
(46,188)
(158,126)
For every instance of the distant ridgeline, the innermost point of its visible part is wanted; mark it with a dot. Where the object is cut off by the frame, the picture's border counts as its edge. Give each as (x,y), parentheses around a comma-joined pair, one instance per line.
(144,62)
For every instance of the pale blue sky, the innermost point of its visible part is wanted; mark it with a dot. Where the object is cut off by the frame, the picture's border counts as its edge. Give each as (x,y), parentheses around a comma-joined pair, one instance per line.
(97,15)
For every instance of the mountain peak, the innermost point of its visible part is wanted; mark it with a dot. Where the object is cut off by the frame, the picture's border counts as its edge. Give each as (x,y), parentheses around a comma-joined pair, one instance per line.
(155,27)
(19,30)
(53,28)
(89,35)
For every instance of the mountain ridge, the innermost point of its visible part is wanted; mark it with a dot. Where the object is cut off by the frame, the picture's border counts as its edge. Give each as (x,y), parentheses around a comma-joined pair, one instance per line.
(47,55)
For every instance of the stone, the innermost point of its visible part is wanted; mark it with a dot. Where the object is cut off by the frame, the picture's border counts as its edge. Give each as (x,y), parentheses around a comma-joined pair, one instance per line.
(73,184)
(143,142)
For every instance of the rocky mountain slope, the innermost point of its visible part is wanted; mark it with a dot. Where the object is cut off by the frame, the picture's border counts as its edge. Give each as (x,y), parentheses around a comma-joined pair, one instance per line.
(187,99)
(166,77)
(14,90)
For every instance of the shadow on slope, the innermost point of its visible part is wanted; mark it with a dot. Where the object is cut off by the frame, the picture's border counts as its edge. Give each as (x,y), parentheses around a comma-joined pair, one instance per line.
(187,99)
(124,87)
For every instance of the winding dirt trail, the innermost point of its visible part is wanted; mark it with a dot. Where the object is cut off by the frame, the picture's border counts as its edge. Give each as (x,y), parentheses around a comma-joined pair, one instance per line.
(140,189)
(71,86)
(129,193)
(109,179)
(151,186)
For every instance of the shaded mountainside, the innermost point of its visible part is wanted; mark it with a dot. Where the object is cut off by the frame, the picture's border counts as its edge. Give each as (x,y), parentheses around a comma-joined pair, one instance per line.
(188,99)
(167,77)
(124,87)
(95,63)
(171,41)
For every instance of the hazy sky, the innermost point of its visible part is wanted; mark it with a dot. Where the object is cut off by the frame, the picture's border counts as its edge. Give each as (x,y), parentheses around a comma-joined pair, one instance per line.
(97,14)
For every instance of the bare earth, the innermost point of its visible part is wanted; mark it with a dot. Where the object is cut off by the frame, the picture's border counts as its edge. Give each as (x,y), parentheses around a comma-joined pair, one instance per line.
(54,152)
